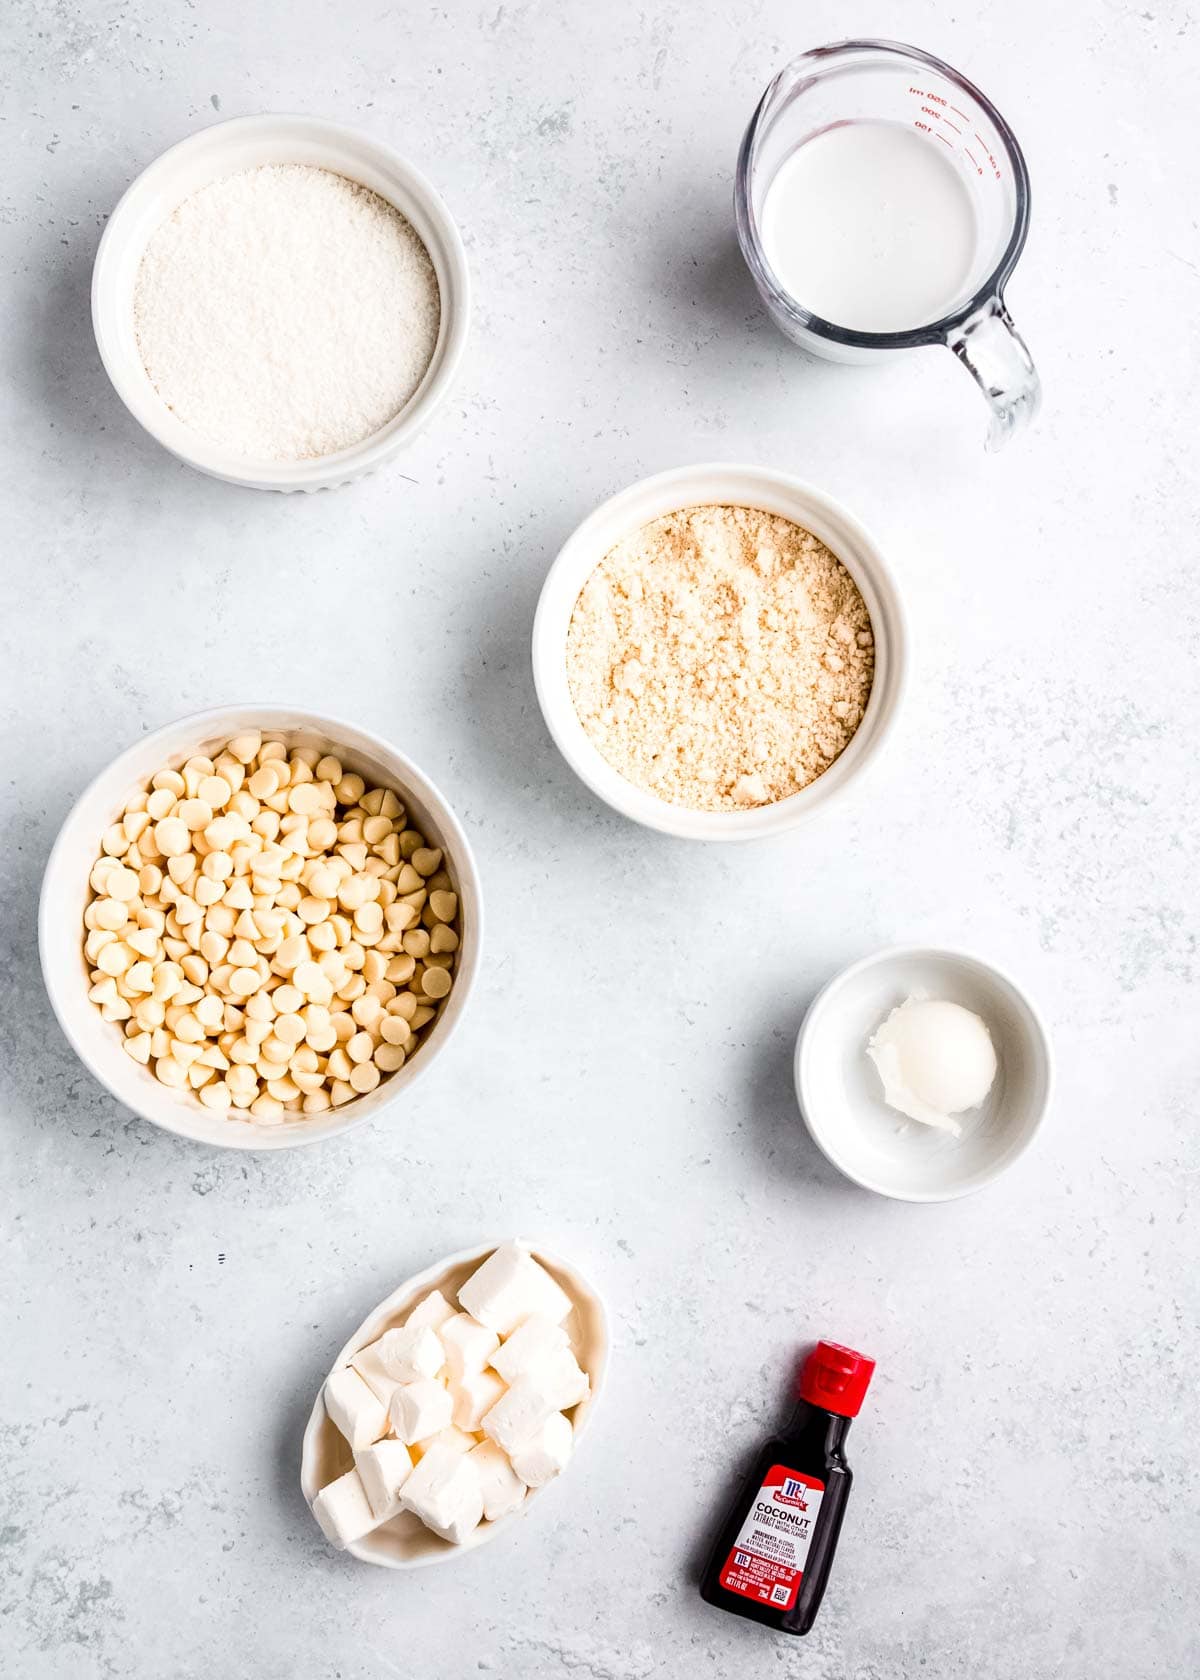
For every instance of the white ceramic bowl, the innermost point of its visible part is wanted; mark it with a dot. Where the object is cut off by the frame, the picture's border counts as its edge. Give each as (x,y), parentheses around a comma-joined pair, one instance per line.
(405,1542)
(756,487)
(247,143)
(841,1098)
(65,894)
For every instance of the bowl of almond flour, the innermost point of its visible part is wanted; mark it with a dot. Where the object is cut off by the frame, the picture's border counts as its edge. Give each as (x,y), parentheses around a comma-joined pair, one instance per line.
(719,651)
(281,302)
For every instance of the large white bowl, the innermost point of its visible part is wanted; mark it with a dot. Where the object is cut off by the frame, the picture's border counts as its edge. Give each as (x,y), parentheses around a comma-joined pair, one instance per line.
(841,1098)
(405,1542)
(744,486)
(65,894)
(247,143)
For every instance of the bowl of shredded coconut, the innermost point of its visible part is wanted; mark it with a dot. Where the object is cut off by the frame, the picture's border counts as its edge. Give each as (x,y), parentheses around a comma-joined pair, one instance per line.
(281,302)
(718,651)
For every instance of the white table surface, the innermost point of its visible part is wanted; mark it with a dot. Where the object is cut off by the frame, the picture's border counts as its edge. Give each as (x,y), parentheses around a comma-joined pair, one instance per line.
(1026,1499)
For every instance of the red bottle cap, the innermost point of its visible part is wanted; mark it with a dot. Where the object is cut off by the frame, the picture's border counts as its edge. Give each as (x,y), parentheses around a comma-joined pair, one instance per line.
(836,1378)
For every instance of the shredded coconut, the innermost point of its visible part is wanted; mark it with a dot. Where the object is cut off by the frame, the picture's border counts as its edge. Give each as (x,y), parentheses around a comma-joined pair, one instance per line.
(286,312)
(720,657)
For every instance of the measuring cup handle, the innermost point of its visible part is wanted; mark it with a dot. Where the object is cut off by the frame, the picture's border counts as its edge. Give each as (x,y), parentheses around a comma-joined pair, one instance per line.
(995,354)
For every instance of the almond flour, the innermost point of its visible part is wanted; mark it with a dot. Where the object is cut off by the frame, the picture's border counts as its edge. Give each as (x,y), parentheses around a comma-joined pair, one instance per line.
(720,657)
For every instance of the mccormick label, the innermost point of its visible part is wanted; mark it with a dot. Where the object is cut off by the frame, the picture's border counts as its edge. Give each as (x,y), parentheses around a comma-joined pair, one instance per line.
(768,1556)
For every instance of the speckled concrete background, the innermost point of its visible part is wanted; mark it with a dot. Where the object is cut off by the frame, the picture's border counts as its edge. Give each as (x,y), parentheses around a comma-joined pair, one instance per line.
(1027,1497)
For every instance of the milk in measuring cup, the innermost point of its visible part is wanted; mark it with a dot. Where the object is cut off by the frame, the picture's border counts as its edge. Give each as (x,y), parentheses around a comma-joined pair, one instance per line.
(871,227)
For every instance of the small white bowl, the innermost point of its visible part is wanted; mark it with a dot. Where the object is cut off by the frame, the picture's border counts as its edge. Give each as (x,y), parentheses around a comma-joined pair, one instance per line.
(247,143)
(744,486)
(842,1101)
(65,894)
(405,1542)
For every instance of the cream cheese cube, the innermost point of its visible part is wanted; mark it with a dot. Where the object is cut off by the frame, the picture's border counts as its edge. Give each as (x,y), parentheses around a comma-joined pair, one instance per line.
(502,1489)
(452,1436)
(563,1380)
(539,1459)
(433,1311)
(509,1287)
(412,1353)
(444,1492)
(419,1409)
(344,1511)
(530,1343)
(465,1521)
(354,1408)
(467,1514)
(469,1347)
(519,1413)
(369,1365)
(383,1470)
(476,1394)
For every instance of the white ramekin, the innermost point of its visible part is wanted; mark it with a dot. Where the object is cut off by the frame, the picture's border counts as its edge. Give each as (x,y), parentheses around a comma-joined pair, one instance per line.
(405,1542)
(247,143)
(744,486)
(65,893)
(840,1094)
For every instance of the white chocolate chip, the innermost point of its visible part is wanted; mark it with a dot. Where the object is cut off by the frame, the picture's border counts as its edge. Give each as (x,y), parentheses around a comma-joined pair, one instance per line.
(253,916)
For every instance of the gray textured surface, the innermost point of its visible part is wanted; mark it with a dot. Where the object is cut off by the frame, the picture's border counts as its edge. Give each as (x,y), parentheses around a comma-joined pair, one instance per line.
(1027,1499)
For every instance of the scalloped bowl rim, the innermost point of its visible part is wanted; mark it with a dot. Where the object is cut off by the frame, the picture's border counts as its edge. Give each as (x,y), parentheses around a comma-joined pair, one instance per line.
(222,148)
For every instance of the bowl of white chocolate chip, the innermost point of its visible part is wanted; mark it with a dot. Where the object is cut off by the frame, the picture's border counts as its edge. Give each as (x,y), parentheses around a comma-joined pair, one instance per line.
(458,1400)
(259,925)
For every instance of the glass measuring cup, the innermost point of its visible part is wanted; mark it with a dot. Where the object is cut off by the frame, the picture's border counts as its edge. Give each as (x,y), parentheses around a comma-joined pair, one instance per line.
(874,81)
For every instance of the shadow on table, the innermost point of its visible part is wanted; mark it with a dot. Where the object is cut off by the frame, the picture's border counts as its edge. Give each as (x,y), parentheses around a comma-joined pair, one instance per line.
(291,1422)
(722,289)
(775,1112)
(59,367)
(41,1079)
(521,757)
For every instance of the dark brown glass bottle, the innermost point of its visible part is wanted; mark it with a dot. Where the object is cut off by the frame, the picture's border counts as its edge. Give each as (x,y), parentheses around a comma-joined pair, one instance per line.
(772,1555)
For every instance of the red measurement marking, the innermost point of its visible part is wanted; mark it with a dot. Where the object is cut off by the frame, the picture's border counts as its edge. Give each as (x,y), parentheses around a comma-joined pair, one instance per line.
(944,141)
(959,113)
(954,126)
(926,128)
(925,93)
(990,157)
(974,165)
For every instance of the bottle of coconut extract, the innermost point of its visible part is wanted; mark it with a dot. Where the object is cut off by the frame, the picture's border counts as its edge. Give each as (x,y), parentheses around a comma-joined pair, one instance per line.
(772,1556)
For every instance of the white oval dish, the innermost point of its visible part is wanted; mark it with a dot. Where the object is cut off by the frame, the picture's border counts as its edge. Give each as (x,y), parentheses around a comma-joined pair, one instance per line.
(651,498)
(65,892)
(840,1095)
(246,143)
(405,1542)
